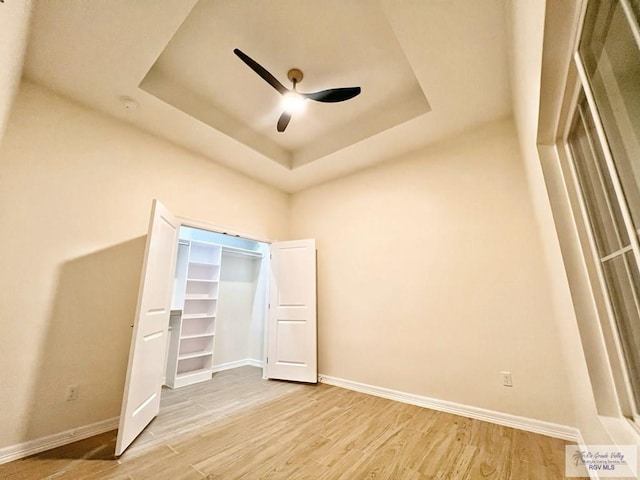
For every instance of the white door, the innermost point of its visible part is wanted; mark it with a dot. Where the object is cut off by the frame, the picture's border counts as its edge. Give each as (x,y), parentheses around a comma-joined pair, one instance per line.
(292,329)
(141,401)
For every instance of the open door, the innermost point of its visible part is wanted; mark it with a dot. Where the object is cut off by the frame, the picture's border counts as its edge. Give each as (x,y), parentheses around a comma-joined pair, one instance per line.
(143,384)
(292,352)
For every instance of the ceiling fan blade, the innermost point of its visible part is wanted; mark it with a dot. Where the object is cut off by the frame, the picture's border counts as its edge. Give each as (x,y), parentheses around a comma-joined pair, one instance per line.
(283,121)
(260,70)
(333,95)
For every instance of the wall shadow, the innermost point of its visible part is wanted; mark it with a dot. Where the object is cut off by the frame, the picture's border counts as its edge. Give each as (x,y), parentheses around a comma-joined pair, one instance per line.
(87,340)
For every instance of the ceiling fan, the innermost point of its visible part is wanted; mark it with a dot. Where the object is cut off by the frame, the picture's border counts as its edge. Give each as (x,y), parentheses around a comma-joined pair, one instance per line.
(292,96)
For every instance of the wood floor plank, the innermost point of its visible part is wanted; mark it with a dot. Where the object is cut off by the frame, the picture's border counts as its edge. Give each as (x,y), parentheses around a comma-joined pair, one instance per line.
(239,426)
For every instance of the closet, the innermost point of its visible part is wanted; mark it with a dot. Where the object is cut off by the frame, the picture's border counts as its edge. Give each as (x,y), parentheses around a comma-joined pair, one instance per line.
(218,309)
(210,302)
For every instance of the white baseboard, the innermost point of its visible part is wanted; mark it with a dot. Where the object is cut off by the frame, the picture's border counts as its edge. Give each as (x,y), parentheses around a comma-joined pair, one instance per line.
(251,362)
(31,447)
(505,419)
(21,450)
(593,475)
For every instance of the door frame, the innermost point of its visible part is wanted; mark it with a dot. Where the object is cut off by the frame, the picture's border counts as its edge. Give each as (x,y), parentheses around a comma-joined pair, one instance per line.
(212,227)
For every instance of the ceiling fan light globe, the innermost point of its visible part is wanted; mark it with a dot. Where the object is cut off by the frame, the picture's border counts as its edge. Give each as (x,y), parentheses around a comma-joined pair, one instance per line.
(293,102)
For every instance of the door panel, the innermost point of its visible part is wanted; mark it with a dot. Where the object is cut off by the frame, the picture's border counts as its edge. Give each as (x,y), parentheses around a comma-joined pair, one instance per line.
(143,384)
(292,338)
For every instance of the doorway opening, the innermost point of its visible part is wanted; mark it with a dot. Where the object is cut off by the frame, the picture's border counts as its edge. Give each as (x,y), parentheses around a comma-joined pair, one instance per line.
(219,306)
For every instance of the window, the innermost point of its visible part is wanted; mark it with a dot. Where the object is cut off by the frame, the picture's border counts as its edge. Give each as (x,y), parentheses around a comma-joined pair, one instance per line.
(611,60)
(604,144)
(612,242)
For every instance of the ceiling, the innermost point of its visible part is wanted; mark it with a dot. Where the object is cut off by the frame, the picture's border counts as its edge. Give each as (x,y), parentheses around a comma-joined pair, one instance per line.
(428,70)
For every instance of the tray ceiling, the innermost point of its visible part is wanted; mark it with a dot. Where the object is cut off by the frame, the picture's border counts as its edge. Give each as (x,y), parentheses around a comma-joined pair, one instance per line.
(427,69)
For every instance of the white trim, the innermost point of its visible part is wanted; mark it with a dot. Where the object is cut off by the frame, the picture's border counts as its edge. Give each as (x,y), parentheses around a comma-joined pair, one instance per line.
(513,421)
(31,447)
(251,362)
(632,21)
(212,227)
(623,402)
(629,406)
(593,475)
(616,254)
(22,450)
(608,156)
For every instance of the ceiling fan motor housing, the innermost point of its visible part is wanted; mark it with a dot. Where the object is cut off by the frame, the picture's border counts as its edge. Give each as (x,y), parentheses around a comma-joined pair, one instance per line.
(295,75)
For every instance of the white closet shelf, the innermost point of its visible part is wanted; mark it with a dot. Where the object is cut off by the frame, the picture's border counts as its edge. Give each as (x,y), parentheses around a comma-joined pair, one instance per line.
(191,344)
(198,315)
(203,243)
(186,356)
(209,264)
(197,335)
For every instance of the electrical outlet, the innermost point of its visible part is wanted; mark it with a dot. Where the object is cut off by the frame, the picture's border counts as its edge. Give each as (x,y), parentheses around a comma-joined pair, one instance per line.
(507,381)
(72,392)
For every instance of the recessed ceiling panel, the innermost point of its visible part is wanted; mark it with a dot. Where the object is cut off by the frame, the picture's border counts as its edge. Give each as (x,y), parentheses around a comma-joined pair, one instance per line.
(335,44)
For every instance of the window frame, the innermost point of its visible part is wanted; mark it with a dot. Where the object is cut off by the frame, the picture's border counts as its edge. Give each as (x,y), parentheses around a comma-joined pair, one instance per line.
(616,357)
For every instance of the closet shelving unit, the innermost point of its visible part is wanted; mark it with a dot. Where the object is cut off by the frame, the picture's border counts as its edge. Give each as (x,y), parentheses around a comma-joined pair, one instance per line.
(193,318)
(193,332)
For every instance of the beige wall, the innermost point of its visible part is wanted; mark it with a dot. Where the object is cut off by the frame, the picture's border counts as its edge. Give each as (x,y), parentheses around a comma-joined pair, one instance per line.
(14,23)
(431,279)
(238,291)
(75,196)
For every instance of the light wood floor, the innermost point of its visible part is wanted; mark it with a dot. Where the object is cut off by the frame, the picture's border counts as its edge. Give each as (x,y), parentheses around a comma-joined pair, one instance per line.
(240,426)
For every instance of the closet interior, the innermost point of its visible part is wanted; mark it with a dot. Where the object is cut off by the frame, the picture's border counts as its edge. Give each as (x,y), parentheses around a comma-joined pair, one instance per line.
(219,306)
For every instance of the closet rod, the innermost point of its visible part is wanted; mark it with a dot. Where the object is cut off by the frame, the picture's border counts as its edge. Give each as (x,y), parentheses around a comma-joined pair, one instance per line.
(226,248)
(241,251)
